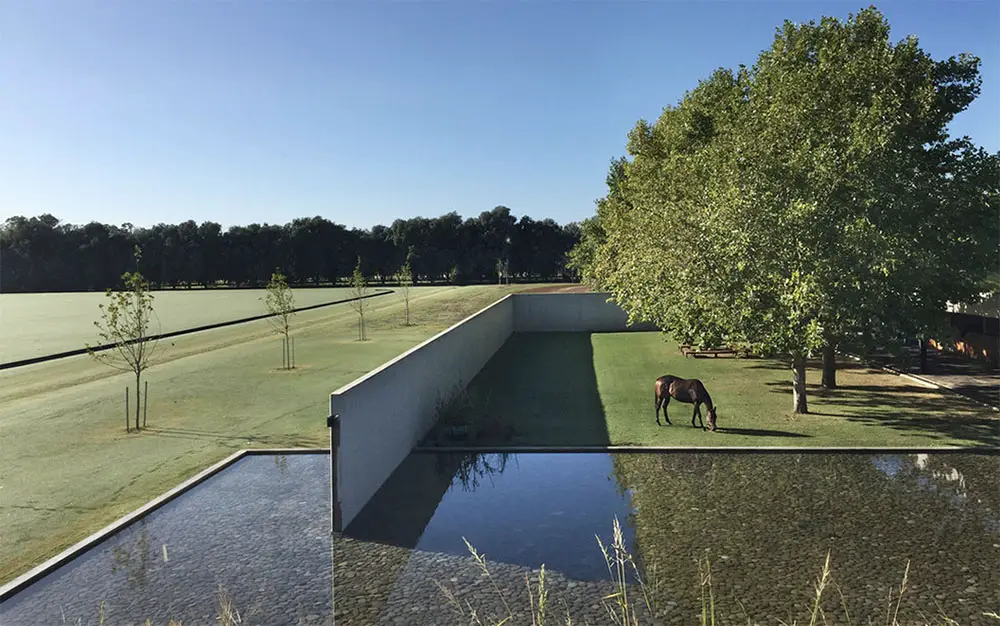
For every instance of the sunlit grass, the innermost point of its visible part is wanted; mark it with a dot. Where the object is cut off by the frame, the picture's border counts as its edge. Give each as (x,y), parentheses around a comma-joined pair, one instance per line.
(583,389)
(70,468)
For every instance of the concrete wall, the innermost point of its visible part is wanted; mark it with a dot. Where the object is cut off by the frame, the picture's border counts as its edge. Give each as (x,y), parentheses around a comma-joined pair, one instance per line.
(570,312)
(381,416)
(386,412)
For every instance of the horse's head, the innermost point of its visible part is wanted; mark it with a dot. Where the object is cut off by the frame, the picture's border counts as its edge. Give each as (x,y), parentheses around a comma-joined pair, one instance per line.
(712,417)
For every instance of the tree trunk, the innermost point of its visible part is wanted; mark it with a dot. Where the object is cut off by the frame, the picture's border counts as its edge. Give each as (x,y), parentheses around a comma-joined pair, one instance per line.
(923,355)
(829,367)
(137,403)
(799,384)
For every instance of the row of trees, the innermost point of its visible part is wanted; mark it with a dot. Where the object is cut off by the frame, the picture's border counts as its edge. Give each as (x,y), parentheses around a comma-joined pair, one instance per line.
(41,254)
(126,327)
(811,201)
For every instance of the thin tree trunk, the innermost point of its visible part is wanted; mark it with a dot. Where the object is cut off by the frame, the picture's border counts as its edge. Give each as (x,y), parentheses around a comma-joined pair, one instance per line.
(137,375)
(799,384)
(829,367)
(145,402)
(127,416)
(923,355)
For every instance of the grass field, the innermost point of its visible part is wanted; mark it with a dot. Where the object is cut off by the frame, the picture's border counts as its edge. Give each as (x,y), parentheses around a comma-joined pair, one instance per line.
(69,468)
(37,324)
(597,389)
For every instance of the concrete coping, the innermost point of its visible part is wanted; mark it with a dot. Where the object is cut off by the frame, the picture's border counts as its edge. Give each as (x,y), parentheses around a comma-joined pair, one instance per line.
(32,575)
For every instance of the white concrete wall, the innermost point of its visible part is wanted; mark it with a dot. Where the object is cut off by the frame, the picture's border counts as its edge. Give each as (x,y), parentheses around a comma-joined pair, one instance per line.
(383,414)
(569,312)
(386,412)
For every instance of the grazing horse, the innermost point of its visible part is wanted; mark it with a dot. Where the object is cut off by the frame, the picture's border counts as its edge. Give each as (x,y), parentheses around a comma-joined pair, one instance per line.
(691,391)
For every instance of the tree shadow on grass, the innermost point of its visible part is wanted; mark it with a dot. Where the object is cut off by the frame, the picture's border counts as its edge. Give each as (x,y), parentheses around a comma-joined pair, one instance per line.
(756,432)
(911,409)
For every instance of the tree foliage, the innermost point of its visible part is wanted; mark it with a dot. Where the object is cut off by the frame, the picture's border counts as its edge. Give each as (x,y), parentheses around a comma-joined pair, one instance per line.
(125,326)
(359,291)
(42,254)
(280,303)
(405,279)
(811,199)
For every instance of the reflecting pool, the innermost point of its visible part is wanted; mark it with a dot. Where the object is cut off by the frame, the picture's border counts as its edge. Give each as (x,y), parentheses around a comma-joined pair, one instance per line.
(763,522)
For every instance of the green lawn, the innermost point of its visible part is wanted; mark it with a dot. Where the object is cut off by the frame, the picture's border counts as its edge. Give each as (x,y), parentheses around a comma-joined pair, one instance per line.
(597,389)
(69,468)
(37,324)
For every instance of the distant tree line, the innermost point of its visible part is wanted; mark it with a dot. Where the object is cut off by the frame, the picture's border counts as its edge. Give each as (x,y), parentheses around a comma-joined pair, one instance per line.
(42,254)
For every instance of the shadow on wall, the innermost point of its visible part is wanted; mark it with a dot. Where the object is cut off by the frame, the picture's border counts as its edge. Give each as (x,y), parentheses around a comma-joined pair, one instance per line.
(545,386)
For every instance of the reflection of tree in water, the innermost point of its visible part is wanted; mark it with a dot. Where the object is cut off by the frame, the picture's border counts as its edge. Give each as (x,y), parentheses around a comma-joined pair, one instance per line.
(469,469)
(767,521)
(281,462)
(965,481)
(971,476)
(135,559)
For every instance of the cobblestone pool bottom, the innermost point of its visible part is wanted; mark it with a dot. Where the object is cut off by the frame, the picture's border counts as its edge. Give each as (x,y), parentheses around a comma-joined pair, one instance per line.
(259,530)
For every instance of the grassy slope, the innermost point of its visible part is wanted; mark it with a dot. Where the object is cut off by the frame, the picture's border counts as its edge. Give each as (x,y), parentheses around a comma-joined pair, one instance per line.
(36,324)
(546,385)
(69,468)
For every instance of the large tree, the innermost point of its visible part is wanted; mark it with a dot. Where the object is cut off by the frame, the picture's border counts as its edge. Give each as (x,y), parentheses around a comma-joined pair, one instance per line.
(811,198)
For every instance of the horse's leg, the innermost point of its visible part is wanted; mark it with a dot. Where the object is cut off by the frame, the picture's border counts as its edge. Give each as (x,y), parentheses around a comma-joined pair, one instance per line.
(657,401)
(666,401)
(697,413)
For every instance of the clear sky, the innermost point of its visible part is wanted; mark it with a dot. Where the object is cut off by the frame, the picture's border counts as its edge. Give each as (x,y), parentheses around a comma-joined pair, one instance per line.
(241,111)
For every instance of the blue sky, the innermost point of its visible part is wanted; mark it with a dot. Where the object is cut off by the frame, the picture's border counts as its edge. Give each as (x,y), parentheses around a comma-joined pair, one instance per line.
(363,112)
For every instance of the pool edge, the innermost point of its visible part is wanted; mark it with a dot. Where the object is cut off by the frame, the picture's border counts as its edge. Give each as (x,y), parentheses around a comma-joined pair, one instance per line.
(34,574)
(711,449)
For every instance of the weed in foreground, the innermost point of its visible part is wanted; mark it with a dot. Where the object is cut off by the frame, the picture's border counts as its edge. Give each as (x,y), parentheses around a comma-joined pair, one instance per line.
(623,609)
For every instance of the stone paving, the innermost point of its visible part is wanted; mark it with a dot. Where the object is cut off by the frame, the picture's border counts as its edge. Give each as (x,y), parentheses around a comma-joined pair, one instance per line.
(389,586)
(953,371)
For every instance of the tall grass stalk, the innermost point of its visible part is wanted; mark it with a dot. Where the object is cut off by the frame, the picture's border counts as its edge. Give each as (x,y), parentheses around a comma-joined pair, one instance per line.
(705,580)
(228,615)
(902,590)
(621,608)
(537,616)
(619,562)
(824,580)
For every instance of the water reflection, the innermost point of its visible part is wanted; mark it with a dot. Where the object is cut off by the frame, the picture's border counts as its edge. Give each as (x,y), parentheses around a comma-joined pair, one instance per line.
(472,468)
(132,557)
(943,475)
(766,521)
(523,509)
(262,535)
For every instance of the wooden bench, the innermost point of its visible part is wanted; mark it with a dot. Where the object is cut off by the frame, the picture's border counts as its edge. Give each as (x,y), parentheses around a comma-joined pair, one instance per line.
(713,352)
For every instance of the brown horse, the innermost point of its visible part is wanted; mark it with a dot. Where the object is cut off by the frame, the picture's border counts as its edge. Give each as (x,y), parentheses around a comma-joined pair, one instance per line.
(690,391)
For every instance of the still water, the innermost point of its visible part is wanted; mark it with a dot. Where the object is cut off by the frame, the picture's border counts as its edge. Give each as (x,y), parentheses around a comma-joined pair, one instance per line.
(764,522)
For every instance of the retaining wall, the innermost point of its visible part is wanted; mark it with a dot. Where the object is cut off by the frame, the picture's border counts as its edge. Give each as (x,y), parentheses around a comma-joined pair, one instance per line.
(376,420)
(570,312)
